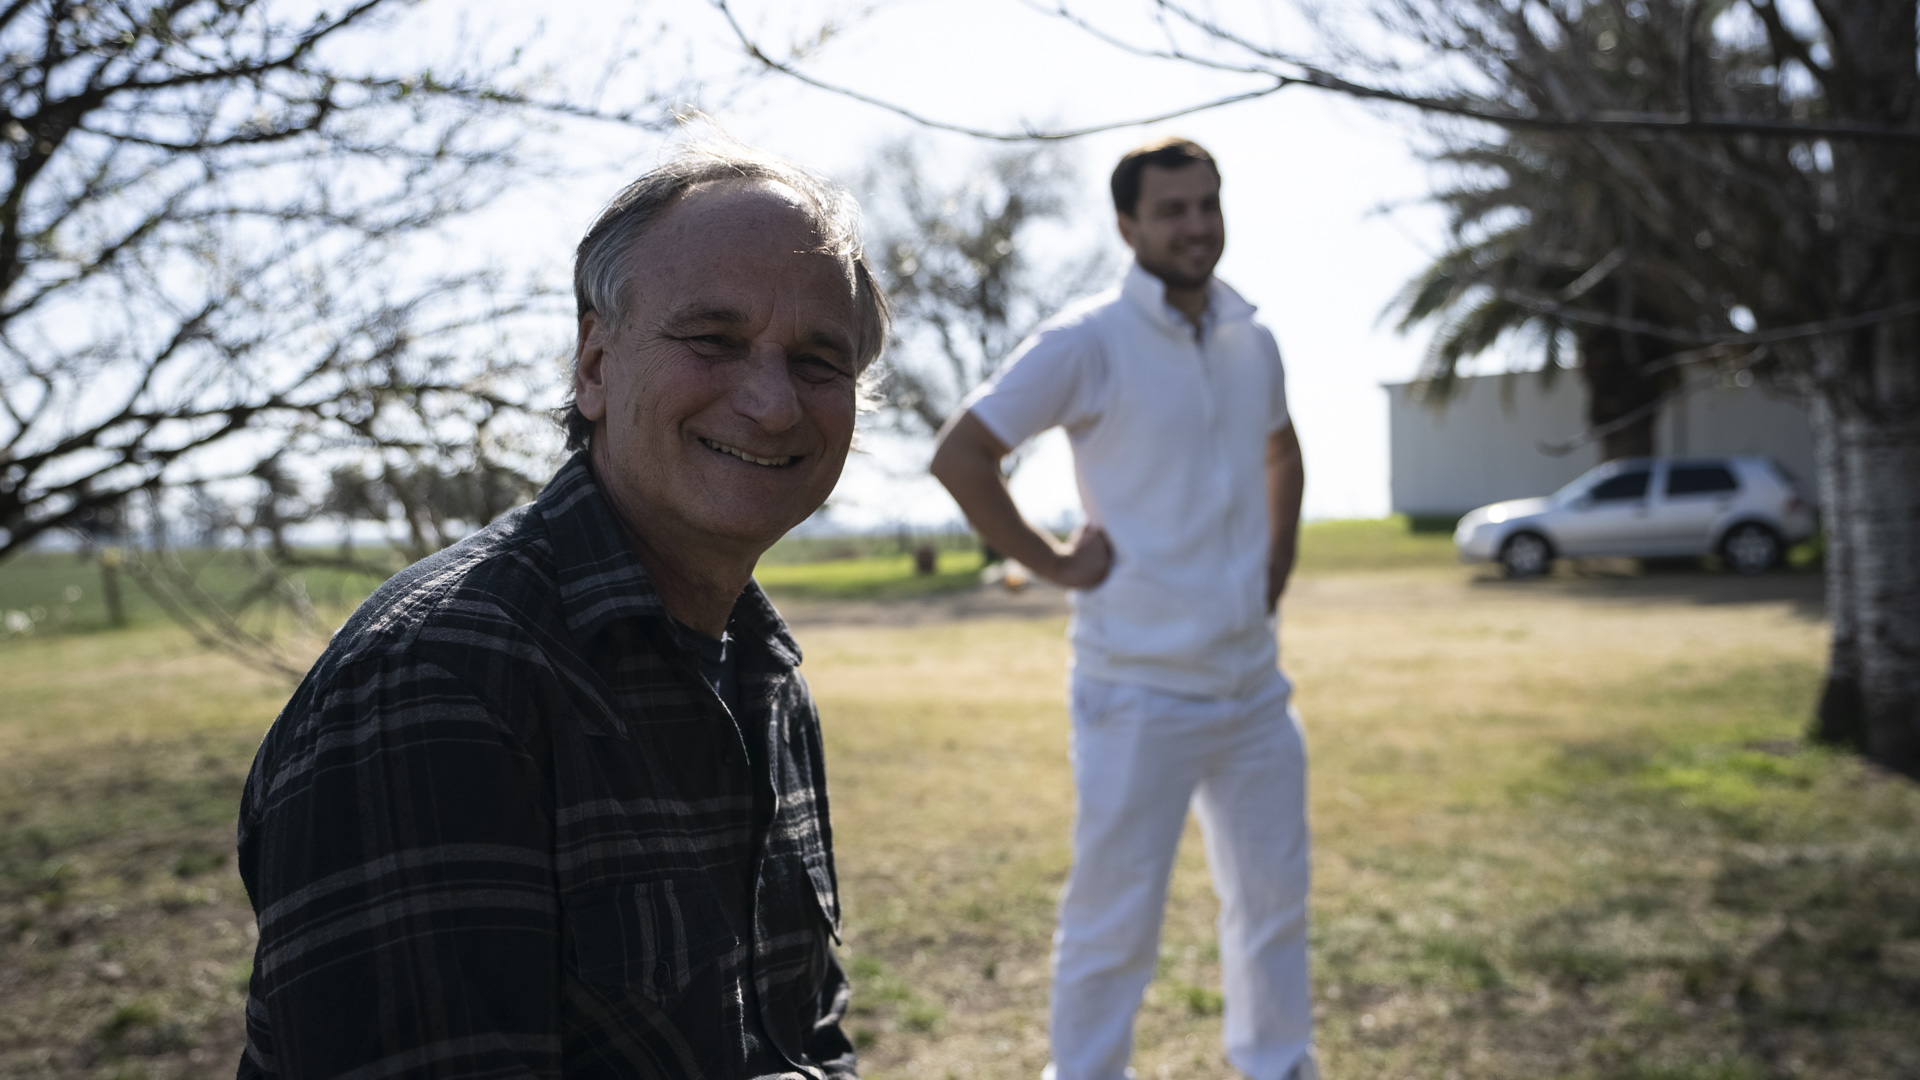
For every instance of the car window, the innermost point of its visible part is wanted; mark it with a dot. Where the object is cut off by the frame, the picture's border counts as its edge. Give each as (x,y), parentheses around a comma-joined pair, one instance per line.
(1627,485)
(1699,480)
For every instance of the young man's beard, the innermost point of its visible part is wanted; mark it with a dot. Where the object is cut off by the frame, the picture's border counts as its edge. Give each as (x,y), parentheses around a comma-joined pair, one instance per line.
(1174,276)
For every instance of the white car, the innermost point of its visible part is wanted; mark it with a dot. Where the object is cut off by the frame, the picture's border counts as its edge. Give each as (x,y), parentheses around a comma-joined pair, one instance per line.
(1747,509)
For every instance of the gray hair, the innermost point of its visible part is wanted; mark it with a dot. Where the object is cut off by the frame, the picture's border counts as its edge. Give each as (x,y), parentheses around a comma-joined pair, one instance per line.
(602,264)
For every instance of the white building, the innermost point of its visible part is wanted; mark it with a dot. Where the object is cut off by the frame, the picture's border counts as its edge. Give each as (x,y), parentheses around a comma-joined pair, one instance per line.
(1511,436)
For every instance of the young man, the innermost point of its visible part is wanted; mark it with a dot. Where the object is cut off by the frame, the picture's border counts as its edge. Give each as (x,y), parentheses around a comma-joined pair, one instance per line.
(1175,403)
(552,802)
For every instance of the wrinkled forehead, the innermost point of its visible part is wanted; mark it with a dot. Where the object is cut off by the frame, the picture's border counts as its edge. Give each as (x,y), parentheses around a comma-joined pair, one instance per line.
(748,248)
(725,209)
(741,225)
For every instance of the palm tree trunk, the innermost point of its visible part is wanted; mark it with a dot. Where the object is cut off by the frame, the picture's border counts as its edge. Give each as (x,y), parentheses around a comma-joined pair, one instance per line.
(1613,363)
(1616,388)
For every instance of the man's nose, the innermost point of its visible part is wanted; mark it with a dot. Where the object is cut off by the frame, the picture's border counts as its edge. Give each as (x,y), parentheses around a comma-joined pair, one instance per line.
(1196,222)
(765,392)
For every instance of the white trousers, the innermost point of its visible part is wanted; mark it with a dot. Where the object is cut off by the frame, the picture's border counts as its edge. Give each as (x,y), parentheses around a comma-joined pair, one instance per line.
(1140,757)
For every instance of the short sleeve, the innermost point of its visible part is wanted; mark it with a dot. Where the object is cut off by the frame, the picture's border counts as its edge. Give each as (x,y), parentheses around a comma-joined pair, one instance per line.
(1056,378)
(1281,417)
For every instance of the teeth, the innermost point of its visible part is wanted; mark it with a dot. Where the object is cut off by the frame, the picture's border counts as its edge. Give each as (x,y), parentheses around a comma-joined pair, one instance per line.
(744,456)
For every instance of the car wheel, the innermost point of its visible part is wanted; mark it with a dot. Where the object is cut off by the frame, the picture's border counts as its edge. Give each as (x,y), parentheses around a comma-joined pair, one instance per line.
(1751,548)
(1526,555)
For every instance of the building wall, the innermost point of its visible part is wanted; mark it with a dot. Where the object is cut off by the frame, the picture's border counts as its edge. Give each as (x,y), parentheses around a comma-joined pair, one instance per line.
(1494,436)
(1741,420)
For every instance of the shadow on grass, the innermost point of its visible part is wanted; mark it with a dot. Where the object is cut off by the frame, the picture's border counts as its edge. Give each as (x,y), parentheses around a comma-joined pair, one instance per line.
(1756,887)
(1701,898)
(1672,581)
(121,910)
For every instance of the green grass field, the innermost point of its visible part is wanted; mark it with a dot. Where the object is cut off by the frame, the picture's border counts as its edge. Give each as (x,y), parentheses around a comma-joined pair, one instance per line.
(872,577)
(1563,829)
(63,592)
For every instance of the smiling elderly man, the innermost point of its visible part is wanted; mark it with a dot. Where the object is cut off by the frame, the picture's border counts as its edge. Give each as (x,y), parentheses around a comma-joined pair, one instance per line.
(551,804)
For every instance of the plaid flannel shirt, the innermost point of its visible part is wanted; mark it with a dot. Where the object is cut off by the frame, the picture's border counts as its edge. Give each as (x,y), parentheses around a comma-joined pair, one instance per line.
(504,829)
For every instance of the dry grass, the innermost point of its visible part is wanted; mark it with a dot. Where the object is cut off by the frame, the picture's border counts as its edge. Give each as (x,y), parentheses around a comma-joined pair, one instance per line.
(1563,830)
(125,936)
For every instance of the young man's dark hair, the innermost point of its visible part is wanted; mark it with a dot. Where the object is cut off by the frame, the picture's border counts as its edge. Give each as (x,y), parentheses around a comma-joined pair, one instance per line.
(1171,152)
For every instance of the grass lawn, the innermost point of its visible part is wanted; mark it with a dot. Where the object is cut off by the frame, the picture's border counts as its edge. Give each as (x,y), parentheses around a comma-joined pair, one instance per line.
(63,592)
(1371,545)
(1325,547)
(870,577)
(1563,829)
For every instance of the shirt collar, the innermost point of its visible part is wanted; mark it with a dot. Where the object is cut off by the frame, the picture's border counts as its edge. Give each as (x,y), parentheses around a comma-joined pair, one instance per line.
(601,582)
(1149,295)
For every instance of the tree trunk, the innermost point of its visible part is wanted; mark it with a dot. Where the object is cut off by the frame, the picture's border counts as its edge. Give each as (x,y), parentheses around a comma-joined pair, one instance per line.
(1882,458)
(1613,364)
(1838,721)
(1634,440)
(110,586)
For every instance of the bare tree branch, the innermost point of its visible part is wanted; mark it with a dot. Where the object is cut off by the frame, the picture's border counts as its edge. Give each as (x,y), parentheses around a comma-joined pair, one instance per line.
(1602,122)
(204,222)
(1030,134)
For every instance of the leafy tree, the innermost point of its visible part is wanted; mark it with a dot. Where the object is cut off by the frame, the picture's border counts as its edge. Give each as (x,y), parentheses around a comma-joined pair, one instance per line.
(1814,237)
(1526,219)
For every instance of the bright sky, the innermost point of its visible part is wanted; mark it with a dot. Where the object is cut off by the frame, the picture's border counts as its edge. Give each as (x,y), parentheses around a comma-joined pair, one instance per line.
(1305,173)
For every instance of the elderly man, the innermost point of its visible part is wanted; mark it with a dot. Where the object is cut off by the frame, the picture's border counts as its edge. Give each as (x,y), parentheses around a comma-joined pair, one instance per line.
(1175,402)
(551,804)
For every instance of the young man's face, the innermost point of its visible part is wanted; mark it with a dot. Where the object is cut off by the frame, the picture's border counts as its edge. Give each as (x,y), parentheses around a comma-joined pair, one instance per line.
(1176,231)
(724,406)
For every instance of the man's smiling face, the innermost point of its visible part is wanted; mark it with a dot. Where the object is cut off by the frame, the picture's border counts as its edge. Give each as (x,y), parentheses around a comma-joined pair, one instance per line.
(723,406)
(1176,231)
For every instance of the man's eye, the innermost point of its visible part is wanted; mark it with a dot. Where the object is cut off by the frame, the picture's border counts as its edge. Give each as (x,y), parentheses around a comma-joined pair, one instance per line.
(816,369)
(709,345)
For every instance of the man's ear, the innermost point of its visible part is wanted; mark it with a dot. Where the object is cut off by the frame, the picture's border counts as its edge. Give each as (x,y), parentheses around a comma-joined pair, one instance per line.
(590,367)
(1127,225)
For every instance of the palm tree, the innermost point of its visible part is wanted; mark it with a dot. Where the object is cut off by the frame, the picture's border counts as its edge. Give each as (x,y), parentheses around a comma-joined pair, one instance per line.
(1815,238)
(1541,240)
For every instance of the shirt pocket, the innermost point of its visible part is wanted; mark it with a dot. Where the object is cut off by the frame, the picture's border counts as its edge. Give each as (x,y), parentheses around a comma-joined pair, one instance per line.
(652,937)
